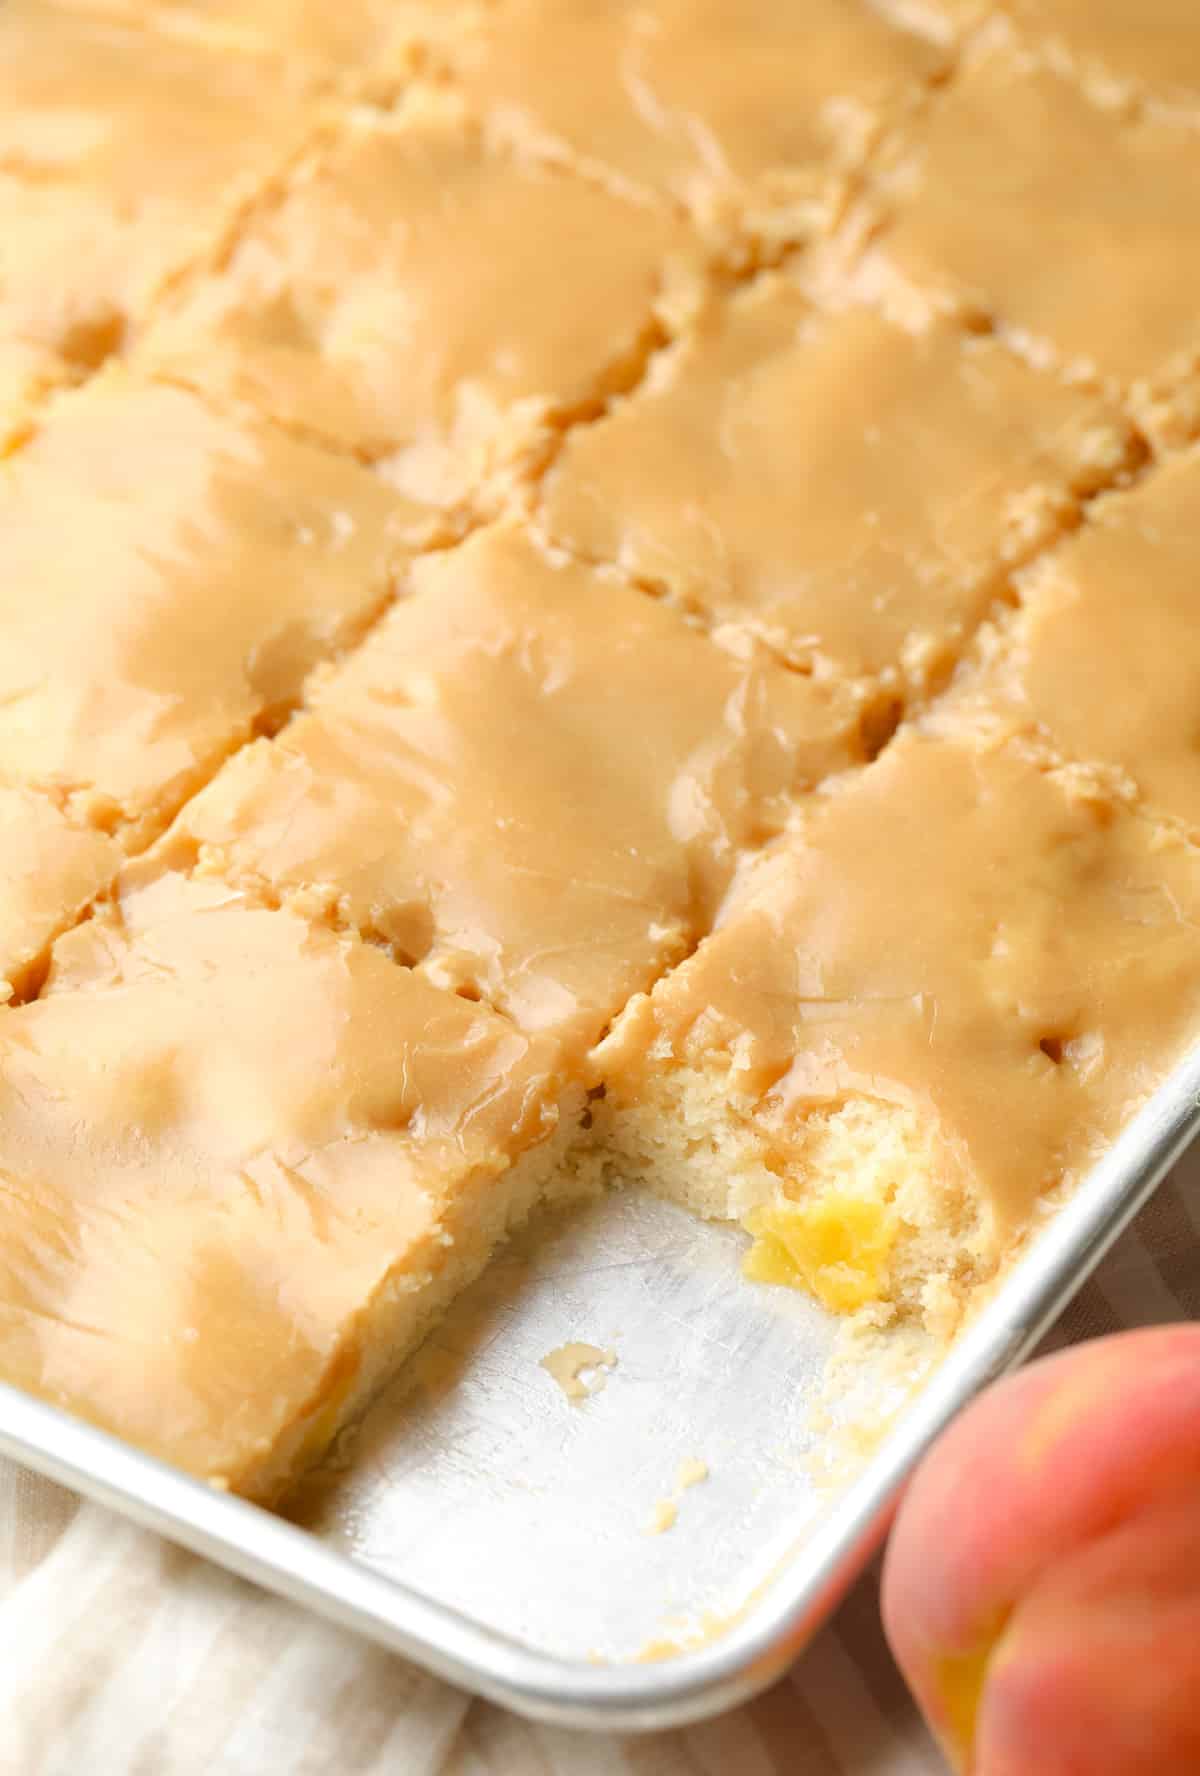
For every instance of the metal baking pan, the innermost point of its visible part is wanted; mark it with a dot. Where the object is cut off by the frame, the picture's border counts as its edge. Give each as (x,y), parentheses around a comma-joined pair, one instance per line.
(498,1533)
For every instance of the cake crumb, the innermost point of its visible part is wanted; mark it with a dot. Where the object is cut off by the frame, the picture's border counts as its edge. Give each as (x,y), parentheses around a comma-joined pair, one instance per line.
(692,1473)
(666,1511)
(666,1515)
(580,1370)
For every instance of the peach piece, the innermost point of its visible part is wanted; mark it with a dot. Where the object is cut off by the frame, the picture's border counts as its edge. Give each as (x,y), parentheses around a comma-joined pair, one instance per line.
(1042,1590)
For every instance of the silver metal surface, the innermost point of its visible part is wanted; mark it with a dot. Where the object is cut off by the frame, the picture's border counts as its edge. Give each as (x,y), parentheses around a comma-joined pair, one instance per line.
(487,1527)
(482,1484)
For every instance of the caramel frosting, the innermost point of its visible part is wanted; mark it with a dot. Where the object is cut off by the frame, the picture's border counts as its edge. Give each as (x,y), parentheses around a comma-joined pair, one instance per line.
(853,492)
(345,310)
(49,870)
(269,1127)
(28,375)
(338,34)
(951,21)
(456,603)
(1016,182)
(738,110)
(956,933)
(168,577)
(1116,50)
(1102,658)
(531,781)
(123,156)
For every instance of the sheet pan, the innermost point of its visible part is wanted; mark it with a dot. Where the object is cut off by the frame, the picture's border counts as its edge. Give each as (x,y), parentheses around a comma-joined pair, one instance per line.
(520,1543)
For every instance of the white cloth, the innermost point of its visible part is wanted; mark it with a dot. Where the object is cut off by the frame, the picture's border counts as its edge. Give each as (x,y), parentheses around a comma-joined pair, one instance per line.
(121,1656)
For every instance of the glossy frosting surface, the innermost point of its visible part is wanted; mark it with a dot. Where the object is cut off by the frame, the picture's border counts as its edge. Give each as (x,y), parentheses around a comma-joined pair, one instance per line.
(1102,659)
(851,491)
(103,196)
(169,574)
(1018,181)
(548,546)
(50,868)
(28,374)
(342,36)
(959,932)
(265,1124)
(748,113)
(346,311)
(532,781)
(1119,51)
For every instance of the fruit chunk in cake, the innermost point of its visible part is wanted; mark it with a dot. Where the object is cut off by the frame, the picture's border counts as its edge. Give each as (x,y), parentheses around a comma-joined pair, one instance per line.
(854,492)
(938,1001)
(245,1162)
(531,781)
